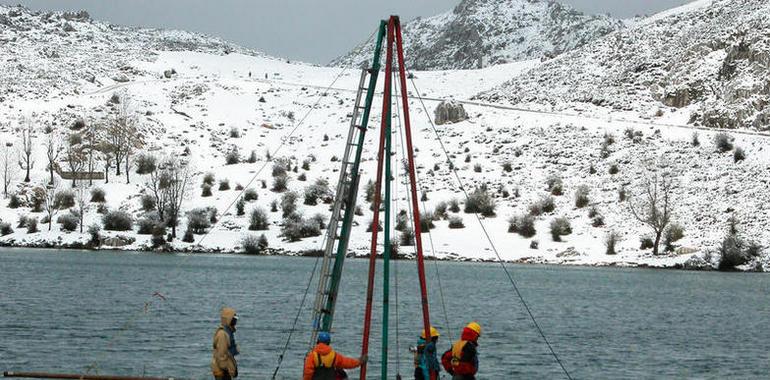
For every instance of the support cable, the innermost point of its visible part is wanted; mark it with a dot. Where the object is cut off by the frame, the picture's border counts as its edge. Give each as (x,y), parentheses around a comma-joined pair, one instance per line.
(489,239)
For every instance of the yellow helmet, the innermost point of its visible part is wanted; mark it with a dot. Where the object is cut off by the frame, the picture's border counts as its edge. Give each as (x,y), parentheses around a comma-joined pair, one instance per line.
(475,327)
(433,333)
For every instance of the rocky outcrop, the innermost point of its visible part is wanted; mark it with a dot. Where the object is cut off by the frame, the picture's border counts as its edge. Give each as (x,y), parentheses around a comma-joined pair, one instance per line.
(449,112)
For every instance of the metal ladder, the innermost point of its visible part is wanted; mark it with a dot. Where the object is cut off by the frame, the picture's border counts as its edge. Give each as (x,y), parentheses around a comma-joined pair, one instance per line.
(337,234)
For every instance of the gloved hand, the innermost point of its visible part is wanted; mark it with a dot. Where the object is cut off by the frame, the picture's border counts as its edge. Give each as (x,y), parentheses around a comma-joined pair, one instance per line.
(363,359)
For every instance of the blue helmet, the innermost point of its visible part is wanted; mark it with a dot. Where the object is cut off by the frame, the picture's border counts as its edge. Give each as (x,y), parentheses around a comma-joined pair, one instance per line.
(324,337)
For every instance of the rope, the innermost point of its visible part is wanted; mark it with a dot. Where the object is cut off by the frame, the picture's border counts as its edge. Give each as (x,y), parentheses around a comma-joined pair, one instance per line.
(296,318)
(489,239)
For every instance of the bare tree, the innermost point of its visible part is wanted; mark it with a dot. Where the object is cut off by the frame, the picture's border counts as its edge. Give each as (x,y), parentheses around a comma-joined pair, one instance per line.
(7,168)
(75,160)
(50,202)
(91,138)
(26,162)
(157,184)
(53,147)
(105,150)
(178,174)
(654,206)
(82,203)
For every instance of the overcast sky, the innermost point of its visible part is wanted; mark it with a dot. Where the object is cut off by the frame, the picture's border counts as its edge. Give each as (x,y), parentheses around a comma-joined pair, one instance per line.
(308,30)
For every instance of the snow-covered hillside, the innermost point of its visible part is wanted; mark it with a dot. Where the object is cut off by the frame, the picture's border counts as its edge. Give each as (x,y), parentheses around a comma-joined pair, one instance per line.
(206,106)
(480,33)
(707,62)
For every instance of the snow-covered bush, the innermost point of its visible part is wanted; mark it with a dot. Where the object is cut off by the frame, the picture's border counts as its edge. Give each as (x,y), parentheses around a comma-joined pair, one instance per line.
(440,211)
(622,194)
(456,222)
(208,179)
(253,245)
(145,164)
(198,220)
(280,183)
(145,226)
(554,185)
(280,167)
(98,195)
(371,224)
(611,241)
(224,184)
(64,199)
(189,236)
(302,177)
(117,221)
(369,191)
(544,205)
(31,225)
(318,190)
(477,168)
(674,232)
(68,221)
(206,190)
(723,142)
(14,202)
(739,154)
(614,169)
(5,229)
(406,238)
(735,251)
(581,196)
(507,167)
(479,201)
(454,206)
(148,202)
(523,225)
(252,157)
(240,207)
(289,203)
(233,157)
(258,220)
(296,228)
(94,231)
(645,242)
(426,221)
(235,133)
(695,141)
(250,195)
(560,227)
(306,165)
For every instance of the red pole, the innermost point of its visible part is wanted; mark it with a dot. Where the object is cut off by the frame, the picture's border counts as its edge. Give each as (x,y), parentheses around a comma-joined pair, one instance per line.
(413,183)
(377,199)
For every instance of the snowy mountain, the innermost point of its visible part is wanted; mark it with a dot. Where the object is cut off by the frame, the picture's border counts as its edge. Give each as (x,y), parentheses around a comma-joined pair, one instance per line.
(707,62)
(480,33)
(229,113)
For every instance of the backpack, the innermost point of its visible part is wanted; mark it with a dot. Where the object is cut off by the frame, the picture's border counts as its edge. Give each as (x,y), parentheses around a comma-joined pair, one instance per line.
(328,373)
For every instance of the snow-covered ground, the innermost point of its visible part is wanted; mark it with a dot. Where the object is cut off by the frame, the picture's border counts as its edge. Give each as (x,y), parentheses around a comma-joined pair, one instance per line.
(196,108)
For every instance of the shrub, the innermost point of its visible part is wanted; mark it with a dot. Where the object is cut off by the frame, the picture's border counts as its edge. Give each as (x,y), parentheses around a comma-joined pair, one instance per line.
(148,202)
(68,222)
(369,191)
(94,231)
(426,221)
(235,133)
(208,179)
(198,220)
(98,195)
(188,236)
(279,168)
(145,226)
(544,205)
(258,220)
(224,184)
(64,199)
(597,220)
(206,192)
(117,221)
(38,199)
(319,189)
(145,164)
(609,138)
(723,142)
(592,169)
(252,157)
(581,196)
(296,228)
(22,221)
(673,233)
(646,242)
(424,197)
(31,225)
(739,154)
(280,184)
(401,221)
(534,244)
(232,157)
(306,165)
(238,187)
(735,251)
(302,177)
(320,220)
(555,185)
(611,241)
(358,211)
(507,167)
(289,203)
(695,139)
(5,229)
(456,222)
(477,168)
(253,245)
(467,158)
(454,206)
(614,169)
(158,235)
(479,201)
(14,202)
(102,209)
(560,227)
(273,206)
(240,206)
(440,211)
(406,238)
(371,224)
(622,194)
(523,225)
(250,195)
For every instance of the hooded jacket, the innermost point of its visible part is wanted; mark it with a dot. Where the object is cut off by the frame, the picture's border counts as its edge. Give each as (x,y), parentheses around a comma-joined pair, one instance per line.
(329,358)
(224,347)
(462,359)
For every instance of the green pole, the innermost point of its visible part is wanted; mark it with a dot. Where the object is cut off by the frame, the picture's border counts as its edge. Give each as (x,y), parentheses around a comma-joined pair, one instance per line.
(386,251)
(347,220)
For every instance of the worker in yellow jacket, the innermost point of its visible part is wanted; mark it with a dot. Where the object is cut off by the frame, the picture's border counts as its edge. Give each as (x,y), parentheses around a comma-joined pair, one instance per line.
(223,363)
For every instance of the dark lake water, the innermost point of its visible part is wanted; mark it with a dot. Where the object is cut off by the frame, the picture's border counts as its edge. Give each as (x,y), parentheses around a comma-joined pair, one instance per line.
(63,311)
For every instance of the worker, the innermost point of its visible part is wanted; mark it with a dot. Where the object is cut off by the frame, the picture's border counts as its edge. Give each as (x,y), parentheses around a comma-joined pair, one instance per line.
(322,363)
(425,359)
(223,363)
(462,361)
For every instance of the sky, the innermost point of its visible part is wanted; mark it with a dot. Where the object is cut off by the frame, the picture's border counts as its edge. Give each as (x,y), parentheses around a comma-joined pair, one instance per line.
(313,31)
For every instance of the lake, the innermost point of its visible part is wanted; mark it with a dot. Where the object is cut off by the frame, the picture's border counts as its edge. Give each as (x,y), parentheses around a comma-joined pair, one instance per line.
(66,311)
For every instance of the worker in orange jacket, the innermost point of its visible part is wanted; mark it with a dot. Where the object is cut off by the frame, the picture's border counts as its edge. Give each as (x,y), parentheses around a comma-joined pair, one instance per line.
(322,363)
(462,360)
